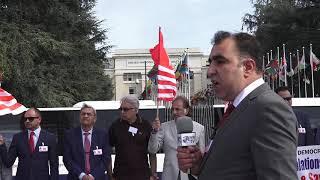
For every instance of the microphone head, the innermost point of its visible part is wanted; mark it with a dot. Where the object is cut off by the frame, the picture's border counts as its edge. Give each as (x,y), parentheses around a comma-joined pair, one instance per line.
(184,125)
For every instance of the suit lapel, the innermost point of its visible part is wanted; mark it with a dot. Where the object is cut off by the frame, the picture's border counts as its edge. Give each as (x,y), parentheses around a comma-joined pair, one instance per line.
(240,108)
(93,146)
(173,128)
(26,141)
(233,117)
(79,146)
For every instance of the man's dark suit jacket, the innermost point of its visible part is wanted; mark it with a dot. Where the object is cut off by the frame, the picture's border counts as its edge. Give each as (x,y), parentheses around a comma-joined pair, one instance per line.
(257,141)
(74,157)
(32,166)
(307,138)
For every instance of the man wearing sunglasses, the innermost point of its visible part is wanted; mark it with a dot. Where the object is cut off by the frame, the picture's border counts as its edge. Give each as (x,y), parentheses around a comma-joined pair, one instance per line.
(34,147)
(306,134)
(130,135)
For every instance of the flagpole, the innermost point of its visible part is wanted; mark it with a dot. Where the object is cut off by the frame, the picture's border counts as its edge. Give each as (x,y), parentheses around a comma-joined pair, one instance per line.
(311,66)
(290,58)
(304,74)
(271,58)
(285,68)
(263,68)
(188,74)
(298,65)
(269,77)
(278,53)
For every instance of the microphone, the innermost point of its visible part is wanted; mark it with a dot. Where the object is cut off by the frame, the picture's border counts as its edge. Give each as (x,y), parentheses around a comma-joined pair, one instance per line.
(184,130)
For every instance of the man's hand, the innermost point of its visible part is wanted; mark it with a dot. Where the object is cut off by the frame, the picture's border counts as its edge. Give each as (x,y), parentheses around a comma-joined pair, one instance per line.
(91,177)
(88,177)
(156,124)
(153,178)
(1,139)
(189,158)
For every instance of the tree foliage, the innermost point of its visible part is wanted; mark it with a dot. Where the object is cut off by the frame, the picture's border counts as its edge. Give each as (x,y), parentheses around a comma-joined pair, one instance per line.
(295,23)
(291,22)
(52,52)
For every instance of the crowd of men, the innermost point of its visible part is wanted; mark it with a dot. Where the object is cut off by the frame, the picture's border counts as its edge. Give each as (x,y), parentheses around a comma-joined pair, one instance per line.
(256,138)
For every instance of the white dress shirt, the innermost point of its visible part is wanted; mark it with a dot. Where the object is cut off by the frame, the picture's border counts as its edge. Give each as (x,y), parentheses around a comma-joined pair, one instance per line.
(247,90)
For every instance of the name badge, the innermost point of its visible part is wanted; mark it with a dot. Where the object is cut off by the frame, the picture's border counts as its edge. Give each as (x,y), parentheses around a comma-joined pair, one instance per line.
(43,148)
(133,130)
(302,130)
(97,151)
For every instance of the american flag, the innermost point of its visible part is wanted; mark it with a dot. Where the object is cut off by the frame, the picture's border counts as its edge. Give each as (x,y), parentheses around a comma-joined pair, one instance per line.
(166,77)
(9,105)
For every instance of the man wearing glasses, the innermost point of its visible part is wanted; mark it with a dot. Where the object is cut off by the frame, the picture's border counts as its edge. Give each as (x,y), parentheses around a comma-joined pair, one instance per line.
(34,147)
(130,135)
(86,152)
(306,134)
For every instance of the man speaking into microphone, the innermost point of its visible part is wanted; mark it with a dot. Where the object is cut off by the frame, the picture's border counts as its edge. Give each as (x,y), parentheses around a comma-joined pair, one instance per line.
(165,136)
(257,137)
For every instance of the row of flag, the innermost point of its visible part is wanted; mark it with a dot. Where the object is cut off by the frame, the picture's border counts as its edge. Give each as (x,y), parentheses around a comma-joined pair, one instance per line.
(277,70)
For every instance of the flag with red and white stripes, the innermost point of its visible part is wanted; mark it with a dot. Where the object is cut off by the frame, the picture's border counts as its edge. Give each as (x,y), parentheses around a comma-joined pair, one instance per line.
(9,105)
(166,77)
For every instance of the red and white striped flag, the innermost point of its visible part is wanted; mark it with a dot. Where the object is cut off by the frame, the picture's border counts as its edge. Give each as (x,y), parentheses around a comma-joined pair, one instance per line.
(166,77)
(9,105)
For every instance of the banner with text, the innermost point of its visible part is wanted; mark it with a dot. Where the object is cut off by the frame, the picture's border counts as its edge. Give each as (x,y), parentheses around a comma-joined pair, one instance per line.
(308,162)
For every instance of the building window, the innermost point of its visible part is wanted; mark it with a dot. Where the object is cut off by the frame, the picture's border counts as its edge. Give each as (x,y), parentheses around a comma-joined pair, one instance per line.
(131,77)
(132,90)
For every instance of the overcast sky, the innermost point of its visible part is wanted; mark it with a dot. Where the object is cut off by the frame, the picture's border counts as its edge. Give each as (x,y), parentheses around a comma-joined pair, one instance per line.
(185,23)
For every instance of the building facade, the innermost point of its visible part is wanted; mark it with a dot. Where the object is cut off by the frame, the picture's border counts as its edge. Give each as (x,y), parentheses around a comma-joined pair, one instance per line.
(128,68)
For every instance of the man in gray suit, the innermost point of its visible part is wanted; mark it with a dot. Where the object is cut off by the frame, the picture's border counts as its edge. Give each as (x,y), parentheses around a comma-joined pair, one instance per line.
(164,136)
(258,139)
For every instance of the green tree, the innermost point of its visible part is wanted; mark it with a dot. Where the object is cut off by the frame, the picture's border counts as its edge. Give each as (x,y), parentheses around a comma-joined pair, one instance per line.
(291,22)
(52,52)
(295,23)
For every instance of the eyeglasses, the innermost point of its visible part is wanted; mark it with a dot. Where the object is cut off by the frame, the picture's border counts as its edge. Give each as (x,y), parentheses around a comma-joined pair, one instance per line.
(287,98)
(125,109)
(30,118)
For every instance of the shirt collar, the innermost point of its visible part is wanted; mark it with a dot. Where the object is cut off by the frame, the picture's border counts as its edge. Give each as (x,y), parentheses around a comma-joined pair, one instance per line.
(90,131)
(36,132)
(247,90)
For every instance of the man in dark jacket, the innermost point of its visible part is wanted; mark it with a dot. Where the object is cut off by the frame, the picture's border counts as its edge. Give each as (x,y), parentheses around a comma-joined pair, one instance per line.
(86,152)
(34,148)
(306,134)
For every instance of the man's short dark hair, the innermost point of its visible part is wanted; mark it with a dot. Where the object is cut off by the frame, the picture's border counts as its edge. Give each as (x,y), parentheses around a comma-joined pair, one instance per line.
(36,110)
(185,103)
(282,88)
(247,45)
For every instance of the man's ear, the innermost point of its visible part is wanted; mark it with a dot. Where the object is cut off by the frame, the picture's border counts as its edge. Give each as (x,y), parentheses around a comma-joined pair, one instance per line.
(249,66)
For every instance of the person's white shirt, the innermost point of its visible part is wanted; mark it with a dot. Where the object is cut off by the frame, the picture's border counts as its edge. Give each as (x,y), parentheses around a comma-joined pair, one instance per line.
(247,90)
